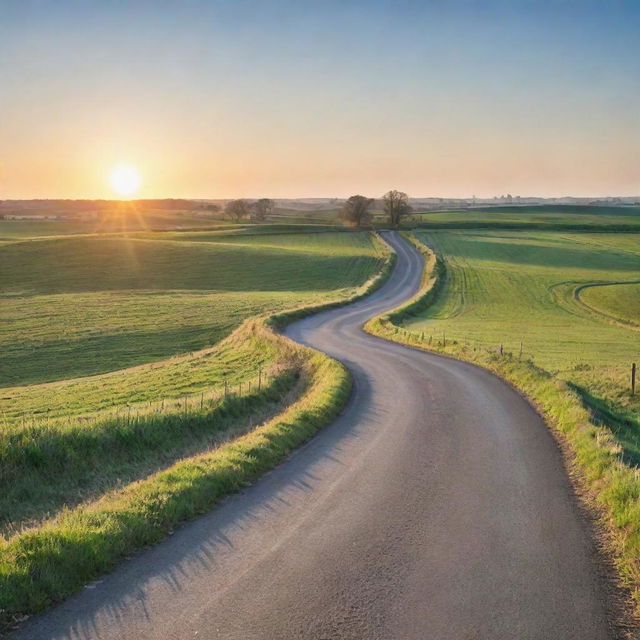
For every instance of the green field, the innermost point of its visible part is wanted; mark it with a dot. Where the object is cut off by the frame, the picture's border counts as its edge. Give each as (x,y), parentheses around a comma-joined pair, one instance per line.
(617,302)
(560,217)
(74,306)
(533,290)
(141,383)
(154,315)
(132,220)
(570,301)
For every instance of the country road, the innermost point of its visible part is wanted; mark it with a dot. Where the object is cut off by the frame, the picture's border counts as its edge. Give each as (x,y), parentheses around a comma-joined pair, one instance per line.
(435,508)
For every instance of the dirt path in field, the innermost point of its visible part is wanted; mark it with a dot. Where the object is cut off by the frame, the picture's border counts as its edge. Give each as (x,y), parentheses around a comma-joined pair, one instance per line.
(435,508)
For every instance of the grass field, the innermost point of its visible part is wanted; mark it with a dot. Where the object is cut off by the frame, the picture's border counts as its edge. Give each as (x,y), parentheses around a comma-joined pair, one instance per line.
(617,302)
(594,218)
(112,305)
(535,289)
(74,306)
(131,220)
(504,285)
(94,466)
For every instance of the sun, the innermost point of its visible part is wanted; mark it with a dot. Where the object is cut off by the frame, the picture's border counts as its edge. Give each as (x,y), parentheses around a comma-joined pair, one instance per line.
(125,180)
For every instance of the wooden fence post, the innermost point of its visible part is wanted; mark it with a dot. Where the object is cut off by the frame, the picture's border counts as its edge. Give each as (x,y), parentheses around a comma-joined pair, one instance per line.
(633,379)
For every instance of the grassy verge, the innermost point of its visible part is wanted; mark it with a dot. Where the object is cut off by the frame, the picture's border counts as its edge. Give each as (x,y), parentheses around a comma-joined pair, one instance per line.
(46,564)
(49,465)
(607,484)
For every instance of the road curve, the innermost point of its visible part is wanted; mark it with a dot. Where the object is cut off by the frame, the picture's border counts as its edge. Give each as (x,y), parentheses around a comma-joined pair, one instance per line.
(436,507)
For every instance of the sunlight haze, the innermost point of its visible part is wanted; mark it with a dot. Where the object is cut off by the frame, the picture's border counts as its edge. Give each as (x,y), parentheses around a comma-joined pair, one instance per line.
(290,99)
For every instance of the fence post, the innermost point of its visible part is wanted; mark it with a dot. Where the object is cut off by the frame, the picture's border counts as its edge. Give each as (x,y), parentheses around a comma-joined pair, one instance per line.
(633,379)
(520,354)
(259,378)
(501,350)
(225,388)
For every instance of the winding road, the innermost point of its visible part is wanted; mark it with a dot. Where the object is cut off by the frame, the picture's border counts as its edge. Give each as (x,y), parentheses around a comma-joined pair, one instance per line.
(435,508)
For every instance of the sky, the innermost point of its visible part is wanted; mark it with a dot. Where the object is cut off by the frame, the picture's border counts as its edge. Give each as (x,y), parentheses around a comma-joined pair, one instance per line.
(225,99)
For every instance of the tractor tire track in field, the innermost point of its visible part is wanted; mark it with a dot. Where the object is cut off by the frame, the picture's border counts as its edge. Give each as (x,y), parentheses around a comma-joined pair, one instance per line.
(607,317)
(436,507)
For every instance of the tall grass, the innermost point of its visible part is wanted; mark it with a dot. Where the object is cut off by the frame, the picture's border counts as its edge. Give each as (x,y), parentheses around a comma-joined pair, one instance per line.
(47,465)
(45,565)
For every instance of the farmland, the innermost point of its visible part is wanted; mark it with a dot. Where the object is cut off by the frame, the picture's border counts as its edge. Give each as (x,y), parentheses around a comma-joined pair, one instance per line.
(158,319)
(82,305)
(542,217)
(535,291)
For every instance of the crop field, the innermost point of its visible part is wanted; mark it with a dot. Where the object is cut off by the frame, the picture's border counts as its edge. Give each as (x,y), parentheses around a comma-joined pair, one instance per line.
(541,217)
(75,306)
(618,302)
(551,295)
(133,346)
(30,226)
(140,385)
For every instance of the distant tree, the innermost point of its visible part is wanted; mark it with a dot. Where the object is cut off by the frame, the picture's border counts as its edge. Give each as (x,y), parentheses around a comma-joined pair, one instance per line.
(237,209)
(214,208)
(396,205)
(355,211)
(262,208)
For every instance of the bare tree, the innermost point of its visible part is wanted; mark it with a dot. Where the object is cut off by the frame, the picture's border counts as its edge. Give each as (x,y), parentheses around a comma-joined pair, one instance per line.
(355,211)
(262,208)
(396,205)
(212,207)
(237,209)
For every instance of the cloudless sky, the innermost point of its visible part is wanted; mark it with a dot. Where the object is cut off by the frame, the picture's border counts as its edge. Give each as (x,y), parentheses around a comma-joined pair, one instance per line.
(294,98)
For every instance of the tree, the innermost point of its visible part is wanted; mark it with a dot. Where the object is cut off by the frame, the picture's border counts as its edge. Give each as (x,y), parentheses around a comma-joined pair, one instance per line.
(236,209)
(396,205)
(355,211)
(262,208)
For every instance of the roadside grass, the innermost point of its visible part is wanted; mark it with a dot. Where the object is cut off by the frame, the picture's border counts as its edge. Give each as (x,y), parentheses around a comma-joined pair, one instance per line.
(46,466)
(79,306)
(597,443)
(54,558)
(47,564)
(507,288)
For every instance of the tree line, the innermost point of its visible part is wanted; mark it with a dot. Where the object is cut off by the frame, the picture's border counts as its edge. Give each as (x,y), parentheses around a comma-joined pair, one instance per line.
(355,212)
(357,209)
(240,209)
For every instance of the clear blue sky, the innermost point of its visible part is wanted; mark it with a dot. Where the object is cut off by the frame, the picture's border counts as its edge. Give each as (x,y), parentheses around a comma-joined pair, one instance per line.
(224,99)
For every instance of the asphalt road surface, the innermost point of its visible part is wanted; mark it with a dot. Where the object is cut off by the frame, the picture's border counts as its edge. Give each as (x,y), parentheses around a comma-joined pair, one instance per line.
(436,507)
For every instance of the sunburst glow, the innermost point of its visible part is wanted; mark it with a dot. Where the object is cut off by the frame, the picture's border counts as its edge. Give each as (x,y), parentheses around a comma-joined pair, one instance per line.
(125,180)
